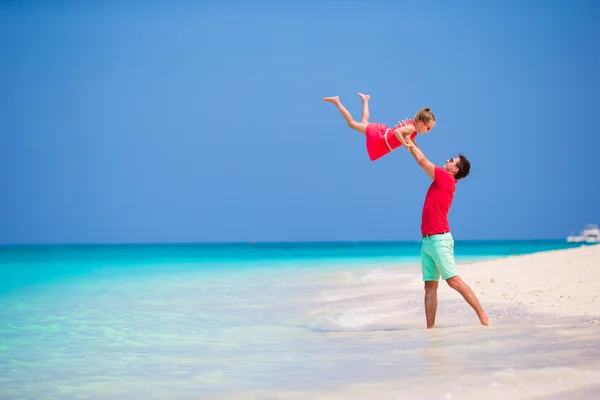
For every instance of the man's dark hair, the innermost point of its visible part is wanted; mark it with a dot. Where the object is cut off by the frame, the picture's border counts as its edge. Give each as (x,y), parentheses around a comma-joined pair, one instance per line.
(464,167)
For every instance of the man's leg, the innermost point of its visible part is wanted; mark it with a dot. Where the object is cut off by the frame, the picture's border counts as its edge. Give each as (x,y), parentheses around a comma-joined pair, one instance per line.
(443,256)
(467,293)
(431,275)
(357,126)
(431,302)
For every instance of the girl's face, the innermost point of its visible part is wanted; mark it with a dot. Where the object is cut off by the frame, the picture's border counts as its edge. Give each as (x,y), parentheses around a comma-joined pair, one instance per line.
(424,127)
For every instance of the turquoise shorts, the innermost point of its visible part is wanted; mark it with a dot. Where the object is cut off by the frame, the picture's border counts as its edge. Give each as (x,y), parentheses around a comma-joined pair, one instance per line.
(437,257)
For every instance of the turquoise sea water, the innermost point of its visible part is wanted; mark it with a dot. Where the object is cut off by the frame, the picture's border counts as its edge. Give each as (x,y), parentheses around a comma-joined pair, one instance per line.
(23,265)
(251,321)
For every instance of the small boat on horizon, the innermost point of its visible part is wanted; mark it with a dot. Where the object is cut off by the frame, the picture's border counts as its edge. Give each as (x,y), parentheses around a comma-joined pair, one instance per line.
(589,234)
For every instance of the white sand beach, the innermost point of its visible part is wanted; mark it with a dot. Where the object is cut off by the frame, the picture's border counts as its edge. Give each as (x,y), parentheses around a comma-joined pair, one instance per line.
(564,283)
(544,344)
(552,284)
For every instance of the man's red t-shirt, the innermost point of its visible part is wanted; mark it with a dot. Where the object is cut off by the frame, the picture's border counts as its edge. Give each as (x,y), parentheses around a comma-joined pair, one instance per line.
(437,203)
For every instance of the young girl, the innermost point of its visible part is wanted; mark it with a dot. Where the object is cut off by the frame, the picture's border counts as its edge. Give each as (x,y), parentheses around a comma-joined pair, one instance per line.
(381,140)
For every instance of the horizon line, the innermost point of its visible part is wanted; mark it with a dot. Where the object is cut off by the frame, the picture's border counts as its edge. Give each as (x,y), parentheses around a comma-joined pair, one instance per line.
(258,242)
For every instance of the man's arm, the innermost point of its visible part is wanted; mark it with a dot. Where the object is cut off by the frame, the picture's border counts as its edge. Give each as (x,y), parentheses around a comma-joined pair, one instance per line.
(420,158)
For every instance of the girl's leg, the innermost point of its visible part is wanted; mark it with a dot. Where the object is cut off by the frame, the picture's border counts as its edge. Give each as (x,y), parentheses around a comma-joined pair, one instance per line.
(357,126)
(366,115)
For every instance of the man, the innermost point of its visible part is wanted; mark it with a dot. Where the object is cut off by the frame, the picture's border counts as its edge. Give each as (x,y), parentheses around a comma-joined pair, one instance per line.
(437,249)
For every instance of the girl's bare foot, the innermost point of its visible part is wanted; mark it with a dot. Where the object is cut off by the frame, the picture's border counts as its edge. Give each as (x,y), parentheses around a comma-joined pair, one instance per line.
(334,99)
(364,97)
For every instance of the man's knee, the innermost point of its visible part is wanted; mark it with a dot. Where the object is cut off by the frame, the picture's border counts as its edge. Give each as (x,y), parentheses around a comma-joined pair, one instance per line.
(455,282)
(431,286)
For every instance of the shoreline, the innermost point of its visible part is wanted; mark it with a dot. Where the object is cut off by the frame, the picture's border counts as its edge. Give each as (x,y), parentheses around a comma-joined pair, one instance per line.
(561,283)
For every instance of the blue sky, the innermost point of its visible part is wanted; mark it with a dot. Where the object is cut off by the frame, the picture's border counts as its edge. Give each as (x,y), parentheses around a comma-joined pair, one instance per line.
(203,121)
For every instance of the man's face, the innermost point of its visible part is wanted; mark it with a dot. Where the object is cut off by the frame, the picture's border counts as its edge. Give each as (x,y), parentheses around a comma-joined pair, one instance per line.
(451,165)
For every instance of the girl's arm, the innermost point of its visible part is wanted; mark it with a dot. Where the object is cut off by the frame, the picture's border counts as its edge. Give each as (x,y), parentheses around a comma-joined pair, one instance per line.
(403,133)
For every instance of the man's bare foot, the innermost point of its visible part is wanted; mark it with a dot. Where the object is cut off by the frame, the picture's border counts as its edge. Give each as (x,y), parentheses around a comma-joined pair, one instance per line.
(364,97)
(485,320)
(334,99)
